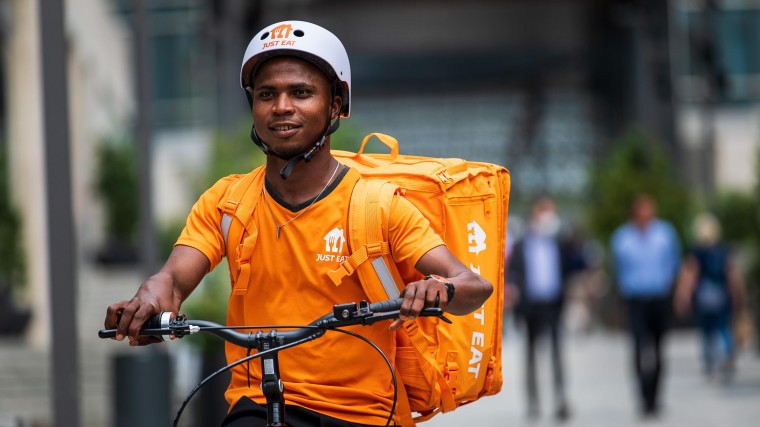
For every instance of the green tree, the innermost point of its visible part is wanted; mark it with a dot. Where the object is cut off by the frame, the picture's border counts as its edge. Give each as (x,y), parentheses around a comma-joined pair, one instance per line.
(12,260)
(116,184)
(636,164)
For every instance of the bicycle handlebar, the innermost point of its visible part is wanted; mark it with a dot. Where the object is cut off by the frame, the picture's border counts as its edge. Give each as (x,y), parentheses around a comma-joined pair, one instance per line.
(349,314)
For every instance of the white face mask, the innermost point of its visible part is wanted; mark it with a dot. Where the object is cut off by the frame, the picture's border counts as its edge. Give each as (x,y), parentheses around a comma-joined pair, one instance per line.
(547,224)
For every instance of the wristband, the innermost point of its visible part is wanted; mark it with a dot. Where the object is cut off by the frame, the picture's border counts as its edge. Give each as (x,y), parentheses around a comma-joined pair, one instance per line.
(450,289)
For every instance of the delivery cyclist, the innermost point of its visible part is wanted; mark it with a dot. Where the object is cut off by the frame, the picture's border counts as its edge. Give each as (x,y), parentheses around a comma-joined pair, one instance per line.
(298,81)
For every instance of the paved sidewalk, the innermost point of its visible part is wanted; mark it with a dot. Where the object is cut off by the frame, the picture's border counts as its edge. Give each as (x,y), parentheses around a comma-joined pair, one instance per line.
(601,388)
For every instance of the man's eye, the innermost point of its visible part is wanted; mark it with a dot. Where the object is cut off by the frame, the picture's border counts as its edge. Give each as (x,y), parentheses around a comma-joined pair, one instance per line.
(302,92)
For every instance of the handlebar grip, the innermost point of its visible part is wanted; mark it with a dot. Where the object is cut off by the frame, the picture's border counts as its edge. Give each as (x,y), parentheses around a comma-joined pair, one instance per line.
(158,321)
(107,333)
(385,306)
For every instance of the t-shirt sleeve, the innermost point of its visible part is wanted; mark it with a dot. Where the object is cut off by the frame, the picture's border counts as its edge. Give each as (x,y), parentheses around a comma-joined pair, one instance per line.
(203,226)
(409,233)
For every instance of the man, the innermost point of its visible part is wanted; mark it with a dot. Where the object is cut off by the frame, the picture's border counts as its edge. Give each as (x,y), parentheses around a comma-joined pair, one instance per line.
(646,257)
(298,81)
(539,268)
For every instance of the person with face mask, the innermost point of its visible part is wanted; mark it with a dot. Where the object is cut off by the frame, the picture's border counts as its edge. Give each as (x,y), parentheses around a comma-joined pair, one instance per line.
(539,267)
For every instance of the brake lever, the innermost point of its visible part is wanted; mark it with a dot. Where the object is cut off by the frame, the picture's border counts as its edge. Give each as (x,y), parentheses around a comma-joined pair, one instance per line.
(435,312)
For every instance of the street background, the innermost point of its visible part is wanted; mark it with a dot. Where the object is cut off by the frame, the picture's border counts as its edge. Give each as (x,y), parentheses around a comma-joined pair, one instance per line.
(116,114)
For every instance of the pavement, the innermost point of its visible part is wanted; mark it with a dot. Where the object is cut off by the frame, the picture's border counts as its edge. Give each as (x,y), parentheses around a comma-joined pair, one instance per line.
(598,370)
(601,389)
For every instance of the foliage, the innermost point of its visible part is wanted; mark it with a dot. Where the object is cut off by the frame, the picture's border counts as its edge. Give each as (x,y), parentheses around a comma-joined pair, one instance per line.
(168,232)
(232,152)
(636,164)
(738,215)
(12,259)
(209,302)
(348,137)
(116,184)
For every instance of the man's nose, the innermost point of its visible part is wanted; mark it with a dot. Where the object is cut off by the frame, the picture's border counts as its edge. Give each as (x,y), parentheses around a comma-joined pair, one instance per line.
(283,104)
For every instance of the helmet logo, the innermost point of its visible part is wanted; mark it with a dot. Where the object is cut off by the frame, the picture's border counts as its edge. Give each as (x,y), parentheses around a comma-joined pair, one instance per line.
(280,32)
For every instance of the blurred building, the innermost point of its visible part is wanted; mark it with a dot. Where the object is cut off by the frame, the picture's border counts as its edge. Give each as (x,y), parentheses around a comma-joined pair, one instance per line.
(715,51)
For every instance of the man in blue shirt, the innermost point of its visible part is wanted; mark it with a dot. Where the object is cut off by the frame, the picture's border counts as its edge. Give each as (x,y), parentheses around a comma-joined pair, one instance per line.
(646,258)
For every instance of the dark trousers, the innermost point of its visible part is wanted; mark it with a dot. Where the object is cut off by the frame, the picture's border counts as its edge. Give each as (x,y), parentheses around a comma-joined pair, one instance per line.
(247,413)
(648,322)
(541,317)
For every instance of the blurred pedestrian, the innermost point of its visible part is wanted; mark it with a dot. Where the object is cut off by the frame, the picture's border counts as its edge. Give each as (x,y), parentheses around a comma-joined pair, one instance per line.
(711,287)
(538,269)
(646,258)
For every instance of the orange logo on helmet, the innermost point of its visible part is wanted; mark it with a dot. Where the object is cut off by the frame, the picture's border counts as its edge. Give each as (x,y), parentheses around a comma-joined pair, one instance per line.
(282,31)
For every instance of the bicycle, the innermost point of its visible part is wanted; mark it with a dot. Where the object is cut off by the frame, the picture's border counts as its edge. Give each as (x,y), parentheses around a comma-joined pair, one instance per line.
(269,344)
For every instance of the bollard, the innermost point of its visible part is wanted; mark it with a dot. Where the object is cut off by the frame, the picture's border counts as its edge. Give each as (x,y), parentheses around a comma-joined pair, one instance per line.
(142,394)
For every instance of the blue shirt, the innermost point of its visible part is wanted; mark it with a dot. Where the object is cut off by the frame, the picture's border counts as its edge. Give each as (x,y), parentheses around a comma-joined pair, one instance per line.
(543,268)
(646,261)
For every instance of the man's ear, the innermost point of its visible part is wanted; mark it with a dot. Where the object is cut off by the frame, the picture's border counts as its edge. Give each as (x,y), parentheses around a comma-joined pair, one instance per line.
(337,104)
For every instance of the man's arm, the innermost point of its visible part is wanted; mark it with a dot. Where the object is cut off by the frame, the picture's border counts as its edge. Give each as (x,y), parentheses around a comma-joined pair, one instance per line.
(471,290)
(164,291)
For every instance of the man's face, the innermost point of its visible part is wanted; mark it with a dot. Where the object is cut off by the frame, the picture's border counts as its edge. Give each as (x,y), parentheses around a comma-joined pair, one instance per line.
(644,210)
(291,102)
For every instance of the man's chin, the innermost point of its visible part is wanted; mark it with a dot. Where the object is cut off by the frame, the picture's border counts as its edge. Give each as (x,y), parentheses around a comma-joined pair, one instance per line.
(290,149)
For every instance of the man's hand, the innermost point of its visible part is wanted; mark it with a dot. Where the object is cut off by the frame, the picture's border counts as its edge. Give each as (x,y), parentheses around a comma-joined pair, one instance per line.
(418,296)
(127,317)
(164,291)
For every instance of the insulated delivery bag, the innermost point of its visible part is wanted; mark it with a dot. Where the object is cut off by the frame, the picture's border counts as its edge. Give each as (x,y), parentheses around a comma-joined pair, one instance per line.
(442,366)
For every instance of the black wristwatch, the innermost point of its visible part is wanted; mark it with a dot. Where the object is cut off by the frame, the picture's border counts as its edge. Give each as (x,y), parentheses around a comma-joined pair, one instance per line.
(449,286)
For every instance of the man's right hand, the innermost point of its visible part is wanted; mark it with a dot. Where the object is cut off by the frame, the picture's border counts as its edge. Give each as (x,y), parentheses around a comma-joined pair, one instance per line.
(127,317)
(164,291)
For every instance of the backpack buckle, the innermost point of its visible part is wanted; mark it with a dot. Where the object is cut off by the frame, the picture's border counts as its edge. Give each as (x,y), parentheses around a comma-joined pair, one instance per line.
(378,249)
(230,207)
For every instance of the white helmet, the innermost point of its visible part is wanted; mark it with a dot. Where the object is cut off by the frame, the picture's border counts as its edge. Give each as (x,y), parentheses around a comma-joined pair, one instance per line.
(304,40)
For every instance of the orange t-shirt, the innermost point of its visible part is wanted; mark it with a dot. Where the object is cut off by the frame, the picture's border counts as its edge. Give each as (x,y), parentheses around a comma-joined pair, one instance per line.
(336,375)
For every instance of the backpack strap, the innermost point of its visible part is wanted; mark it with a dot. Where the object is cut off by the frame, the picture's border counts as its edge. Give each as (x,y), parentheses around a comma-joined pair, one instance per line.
(403,410)
(412,337)
(237,208)
(368,220)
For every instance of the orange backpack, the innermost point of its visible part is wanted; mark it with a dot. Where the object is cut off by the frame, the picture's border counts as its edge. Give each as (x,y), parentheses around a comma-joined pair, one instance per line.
(442,366)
